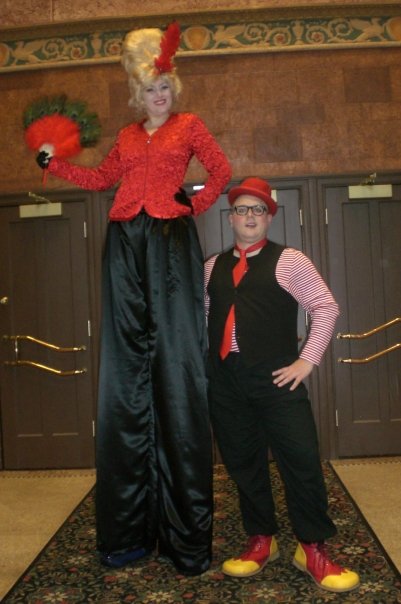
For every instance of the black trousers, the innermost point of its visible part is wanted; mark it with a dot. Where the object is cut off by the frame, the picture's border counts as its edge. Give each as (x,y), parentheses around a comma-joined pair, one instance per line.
(249,415)
(153,447)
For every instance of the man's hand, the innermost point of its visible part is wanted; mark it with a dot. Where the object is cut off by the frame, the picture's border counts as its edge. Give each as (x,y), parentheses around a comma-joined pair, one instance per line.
(295,373)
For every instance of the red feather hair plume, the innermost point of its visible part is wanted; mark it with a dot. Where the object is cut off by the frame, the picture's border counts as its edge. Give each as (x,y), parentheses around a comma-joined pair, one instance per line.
(168,46)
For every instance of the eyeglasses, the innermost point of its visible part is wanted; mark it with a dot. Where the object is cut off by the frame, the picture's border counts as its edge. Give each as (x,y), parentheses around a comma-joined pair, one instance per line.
(244,210)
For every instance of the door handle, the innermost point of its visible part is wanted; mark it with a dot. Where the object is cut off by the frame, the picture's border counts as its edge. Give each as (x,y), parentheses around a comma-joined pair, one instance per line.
(45,367)
(17,362)
(373,356)
(44,344)
(367,334)
(4,300)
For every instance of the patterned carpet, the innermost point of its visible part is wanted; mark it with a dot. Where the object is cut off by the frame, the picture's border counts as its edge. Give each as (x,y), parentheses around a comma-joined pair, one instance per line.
(67,571)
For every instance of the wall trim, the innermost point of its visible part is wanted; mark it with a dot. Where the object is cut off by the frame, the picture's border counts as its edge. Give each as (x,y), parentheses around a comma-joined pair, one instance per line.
(94,42)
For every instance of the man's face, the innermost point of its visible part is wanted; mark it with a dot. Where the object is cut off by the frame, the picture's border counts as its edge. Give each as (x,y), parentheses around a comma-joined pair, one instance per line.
(249,229)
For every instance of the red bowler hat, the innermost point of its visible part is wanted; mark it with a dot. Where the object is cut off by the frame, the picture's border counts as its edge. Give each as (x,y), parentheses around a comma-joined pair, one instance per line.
(254,186)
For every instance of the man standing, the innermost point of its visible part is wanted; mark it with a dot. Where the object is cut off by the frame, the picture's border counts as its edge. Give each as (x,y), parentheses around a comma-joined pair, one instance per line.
(257,396)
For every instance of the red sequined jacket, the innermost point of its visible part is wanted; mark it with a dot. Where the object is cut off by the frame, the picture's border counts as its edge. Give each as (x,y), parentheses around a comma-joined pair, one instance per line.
(151,168)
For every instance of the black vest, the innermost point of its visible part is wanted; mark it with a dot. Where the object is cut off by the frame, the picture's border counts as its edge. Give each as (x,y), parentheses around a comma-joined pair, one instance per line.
(265,314)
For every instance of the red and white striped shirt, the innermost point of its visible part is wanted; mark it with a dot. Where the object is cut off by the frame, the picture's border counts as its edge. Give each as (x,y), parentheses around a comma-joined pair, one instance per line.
(298,276)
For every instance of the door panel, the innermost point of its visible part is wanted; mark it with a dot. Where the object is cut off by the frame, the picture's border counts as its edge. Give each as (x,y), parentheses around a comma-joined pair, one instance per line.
(46,418)
(364,251)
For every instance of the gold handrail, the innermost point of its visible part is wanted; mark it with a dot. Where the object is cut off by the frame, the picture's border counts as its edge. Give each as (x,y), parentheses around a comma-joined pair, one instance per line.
(373,356)
(46,368)
(359,336)
(45,344)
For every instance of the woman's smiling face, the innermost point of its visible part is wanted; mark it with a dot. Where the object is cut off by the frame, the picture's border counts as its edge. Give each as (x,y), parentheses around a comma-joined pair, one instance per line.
(158,98)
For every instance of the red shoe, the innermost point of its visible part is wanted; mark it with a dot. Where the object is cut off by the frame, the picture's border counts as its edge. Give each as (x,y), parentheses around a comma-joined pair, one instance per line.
(261,550)
(312,558)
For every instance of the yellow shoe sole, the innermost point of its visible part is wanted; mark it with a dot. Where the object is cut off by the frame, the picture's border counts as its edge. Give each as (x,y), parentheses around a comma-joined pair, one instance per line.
(231,572)
(326,587)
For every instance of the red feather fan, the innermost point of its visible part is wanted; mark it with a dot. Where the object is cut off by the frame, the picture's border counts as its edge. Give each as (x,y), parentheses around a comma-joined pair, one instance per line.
(168,46)
(56,131)
(60,127)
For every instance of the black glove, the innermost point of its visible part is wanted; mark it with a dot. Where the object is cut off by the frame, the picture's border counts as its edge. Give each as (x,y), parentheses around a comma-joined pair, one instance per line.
(182,197)
(43,159)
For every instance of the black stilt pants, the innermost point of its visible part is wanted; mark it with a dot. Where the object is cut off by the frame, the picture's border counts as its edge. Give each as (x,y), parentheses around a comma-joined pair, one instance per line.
(153,447)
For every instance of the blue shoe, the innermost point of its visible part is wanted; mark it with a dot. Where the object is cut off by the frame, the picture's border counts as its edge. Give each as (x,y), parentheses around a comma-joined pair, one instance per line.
(120,560)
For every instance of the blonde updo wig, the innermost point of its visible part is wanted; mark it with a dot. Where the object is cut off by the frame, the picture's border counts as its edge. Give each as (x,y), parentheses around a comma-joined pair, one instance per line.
(140,49)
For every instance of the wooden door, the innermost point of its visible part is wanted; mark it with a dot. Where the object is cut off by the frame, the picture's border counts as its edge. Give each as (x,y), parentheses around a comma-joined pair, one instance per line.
(364,250)
(47,395)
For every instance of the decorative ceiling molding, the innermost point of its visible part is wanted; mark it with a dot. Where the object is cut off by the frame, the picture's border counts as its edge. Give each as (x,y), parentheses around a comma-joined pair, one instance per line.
(202,34)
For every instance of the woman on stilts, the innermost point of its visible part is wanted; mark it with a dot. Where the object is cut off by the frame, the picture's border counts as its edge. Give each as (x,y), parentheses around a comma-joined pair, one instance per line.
(153,444)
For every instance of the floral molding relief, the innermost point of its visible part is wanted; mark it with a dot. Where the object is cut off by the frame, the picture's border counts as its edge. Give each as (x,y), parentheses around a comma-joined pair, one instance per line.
(208,39)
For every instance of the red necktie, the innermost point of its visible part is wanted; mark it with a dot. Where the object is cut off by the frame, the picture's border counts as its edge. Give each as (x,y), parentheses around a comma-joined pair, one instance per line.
(239,271)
